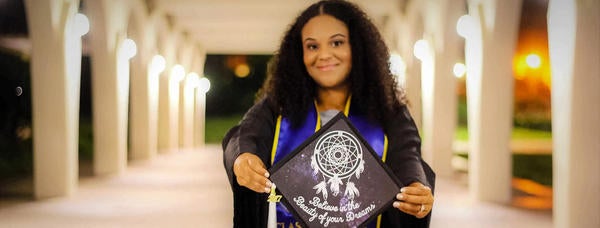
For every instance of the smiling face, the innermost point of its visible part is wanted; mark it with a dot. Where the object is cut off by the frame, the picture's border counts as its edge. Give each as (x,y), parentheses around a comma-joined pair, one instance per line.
(327,51)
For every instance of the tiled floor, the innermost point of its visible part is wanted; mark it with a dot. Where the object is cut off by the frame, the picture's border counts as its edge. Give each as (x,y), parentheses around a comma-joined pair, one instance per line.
(190,189)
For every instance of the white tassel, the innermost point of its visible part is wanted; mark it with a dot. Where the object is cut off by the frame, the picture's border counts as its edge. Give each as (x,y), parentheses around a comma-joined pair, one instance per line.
(273,200)
(272,222)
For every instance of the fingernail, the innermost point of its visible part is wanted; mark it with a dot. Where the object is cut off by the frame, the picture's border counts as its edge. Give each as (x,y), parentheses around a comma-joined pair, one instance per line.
(400,196)
(402,189)
(268,190)
(269,183)
(267,175)
(396,204)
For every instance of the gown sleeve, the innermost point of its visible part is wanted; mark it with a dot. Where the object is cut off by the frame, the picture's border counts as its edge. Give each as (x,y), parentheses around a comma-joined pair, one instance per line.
(254,134)
(404,150)
(405,161)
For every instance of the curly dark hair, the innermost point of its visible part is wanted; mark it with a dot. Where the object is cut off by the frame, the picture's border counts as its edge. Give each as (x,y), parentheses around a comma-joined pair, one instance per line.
(373,88)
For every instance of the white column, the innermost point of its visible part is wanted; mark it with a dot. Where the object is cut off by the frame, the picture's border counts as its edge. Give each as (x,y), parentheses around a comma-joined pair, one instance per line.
(574,42)
(167,117)
(439,92)
(413,80)
(149,139)
(413,91)
(143,145)
(181,113)
(176,75)
(142,116)
(489,53)
(164,136)
(55,34)
(200,119)
(187,110)
(110,85)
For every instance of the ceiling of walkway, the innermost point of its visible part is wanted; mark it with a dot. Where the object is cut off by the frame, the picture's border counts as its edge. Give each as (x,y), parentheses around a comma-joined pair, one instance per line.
(248,26)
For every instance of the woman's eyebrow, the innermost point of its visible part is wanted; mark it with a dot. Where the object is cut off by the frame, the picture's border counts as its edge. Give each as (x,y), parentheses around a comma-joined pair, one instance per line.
(336,35)
(309,39)
(331,37)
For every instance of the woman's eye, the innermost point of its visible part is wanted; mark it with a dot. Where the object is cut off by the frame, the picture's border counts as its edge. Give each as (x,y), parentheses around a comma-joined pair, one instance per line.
(337,43)
(311,47)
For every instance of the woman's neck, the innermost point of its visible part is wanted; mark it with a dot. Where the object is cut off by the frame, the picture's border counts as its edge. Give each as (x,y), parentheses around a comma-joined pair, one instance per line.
(332,99)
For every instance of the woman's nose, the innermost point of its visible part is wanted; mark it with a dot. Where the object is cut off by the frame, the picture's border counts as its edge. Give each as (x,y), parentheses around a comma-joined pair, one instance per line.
(324,53)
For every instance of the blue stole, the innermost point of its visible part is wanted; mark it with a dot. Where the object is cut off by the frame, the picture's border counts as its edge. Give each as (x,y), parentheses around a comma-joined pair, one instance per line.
(287,138)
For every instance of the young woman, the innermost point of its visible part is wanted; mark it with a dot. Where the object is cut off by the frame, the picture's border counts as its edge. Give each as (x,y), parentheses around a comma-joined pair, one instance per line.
(332,59)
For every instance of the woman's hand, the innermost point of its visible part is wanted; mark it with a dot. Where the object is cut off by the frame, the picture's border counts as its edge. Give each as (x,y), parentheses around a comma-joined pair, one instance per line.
(415,199)
(250,172)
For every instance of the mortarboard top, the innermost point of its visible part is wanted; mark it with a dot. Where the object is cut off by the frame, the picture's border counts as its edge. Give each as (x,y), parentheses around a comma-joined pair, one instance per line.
(334,178)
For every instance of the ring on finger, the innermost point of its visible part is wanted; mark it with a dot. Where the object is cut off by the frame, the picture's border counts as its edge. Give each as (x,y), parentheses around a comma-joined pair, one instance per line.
(422,208)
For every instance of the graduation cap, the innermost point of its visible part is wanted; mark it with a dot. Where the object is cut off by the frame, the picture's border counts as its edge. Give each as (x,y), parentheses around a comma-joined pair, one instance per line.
(334,178)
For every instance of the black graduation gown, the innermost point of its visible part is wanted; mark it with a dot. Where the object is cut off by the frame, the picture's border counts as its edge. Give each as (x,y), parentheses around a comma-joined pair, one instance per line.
(255,134)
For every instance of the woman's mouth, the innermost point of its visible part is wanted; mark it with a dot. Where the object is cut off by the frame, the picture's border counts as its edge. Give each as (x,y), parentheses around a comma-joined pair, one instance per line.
(327,67)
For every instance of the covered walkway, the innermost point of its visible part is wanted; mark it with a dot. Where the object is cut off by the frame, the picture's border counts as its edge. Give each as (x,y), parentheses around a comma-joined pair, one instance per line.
(189,188)
(148,96)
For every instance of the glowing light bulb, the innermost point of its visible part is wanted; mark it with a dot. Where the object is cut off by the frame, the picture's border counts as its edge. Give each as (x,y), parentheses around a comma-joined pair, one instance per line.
(158,64)
(397,65)
(129,48)
(192,80)
(533,61)
(204,85)
(459,70)
(242,70)
(421,49)
(82,24)
(465,26)
(177,73)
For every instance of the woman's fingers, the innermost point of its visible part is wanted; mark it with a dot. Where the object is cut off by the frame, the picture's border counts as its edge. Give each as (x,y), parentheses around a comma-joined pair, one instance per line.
(416,189)
(419,211)
(416,194)
(415,199)
(250,172)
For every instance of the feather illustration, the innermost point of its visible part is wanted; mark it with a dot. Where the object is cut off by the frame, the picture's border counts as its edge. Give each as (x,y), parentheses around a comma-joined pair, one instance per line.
(351,190)
(321,188)
(334,184)
(314,165)
(360,169)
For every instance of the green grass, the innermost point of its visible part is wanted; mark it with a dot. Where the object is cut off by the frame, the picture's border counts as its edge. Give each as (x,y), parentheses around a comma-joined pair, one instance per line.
(216,127)
(535,167)
(518,133)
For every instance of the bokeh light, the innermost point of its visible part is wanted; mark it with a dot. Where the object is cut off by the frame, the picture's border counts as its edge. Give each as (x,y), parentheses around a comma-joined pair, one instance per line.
(204,85)
(129,48)
(177,73)
(192,80)
(465,26)
(459,70)
(158,64)
(533,60)
(82,24)
(242,70)
(421,49)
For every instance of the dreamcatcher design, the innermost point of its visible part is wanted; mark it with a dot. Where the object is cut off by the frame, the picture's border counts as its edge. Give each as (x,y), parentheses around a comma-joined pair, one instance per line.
(338,157)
